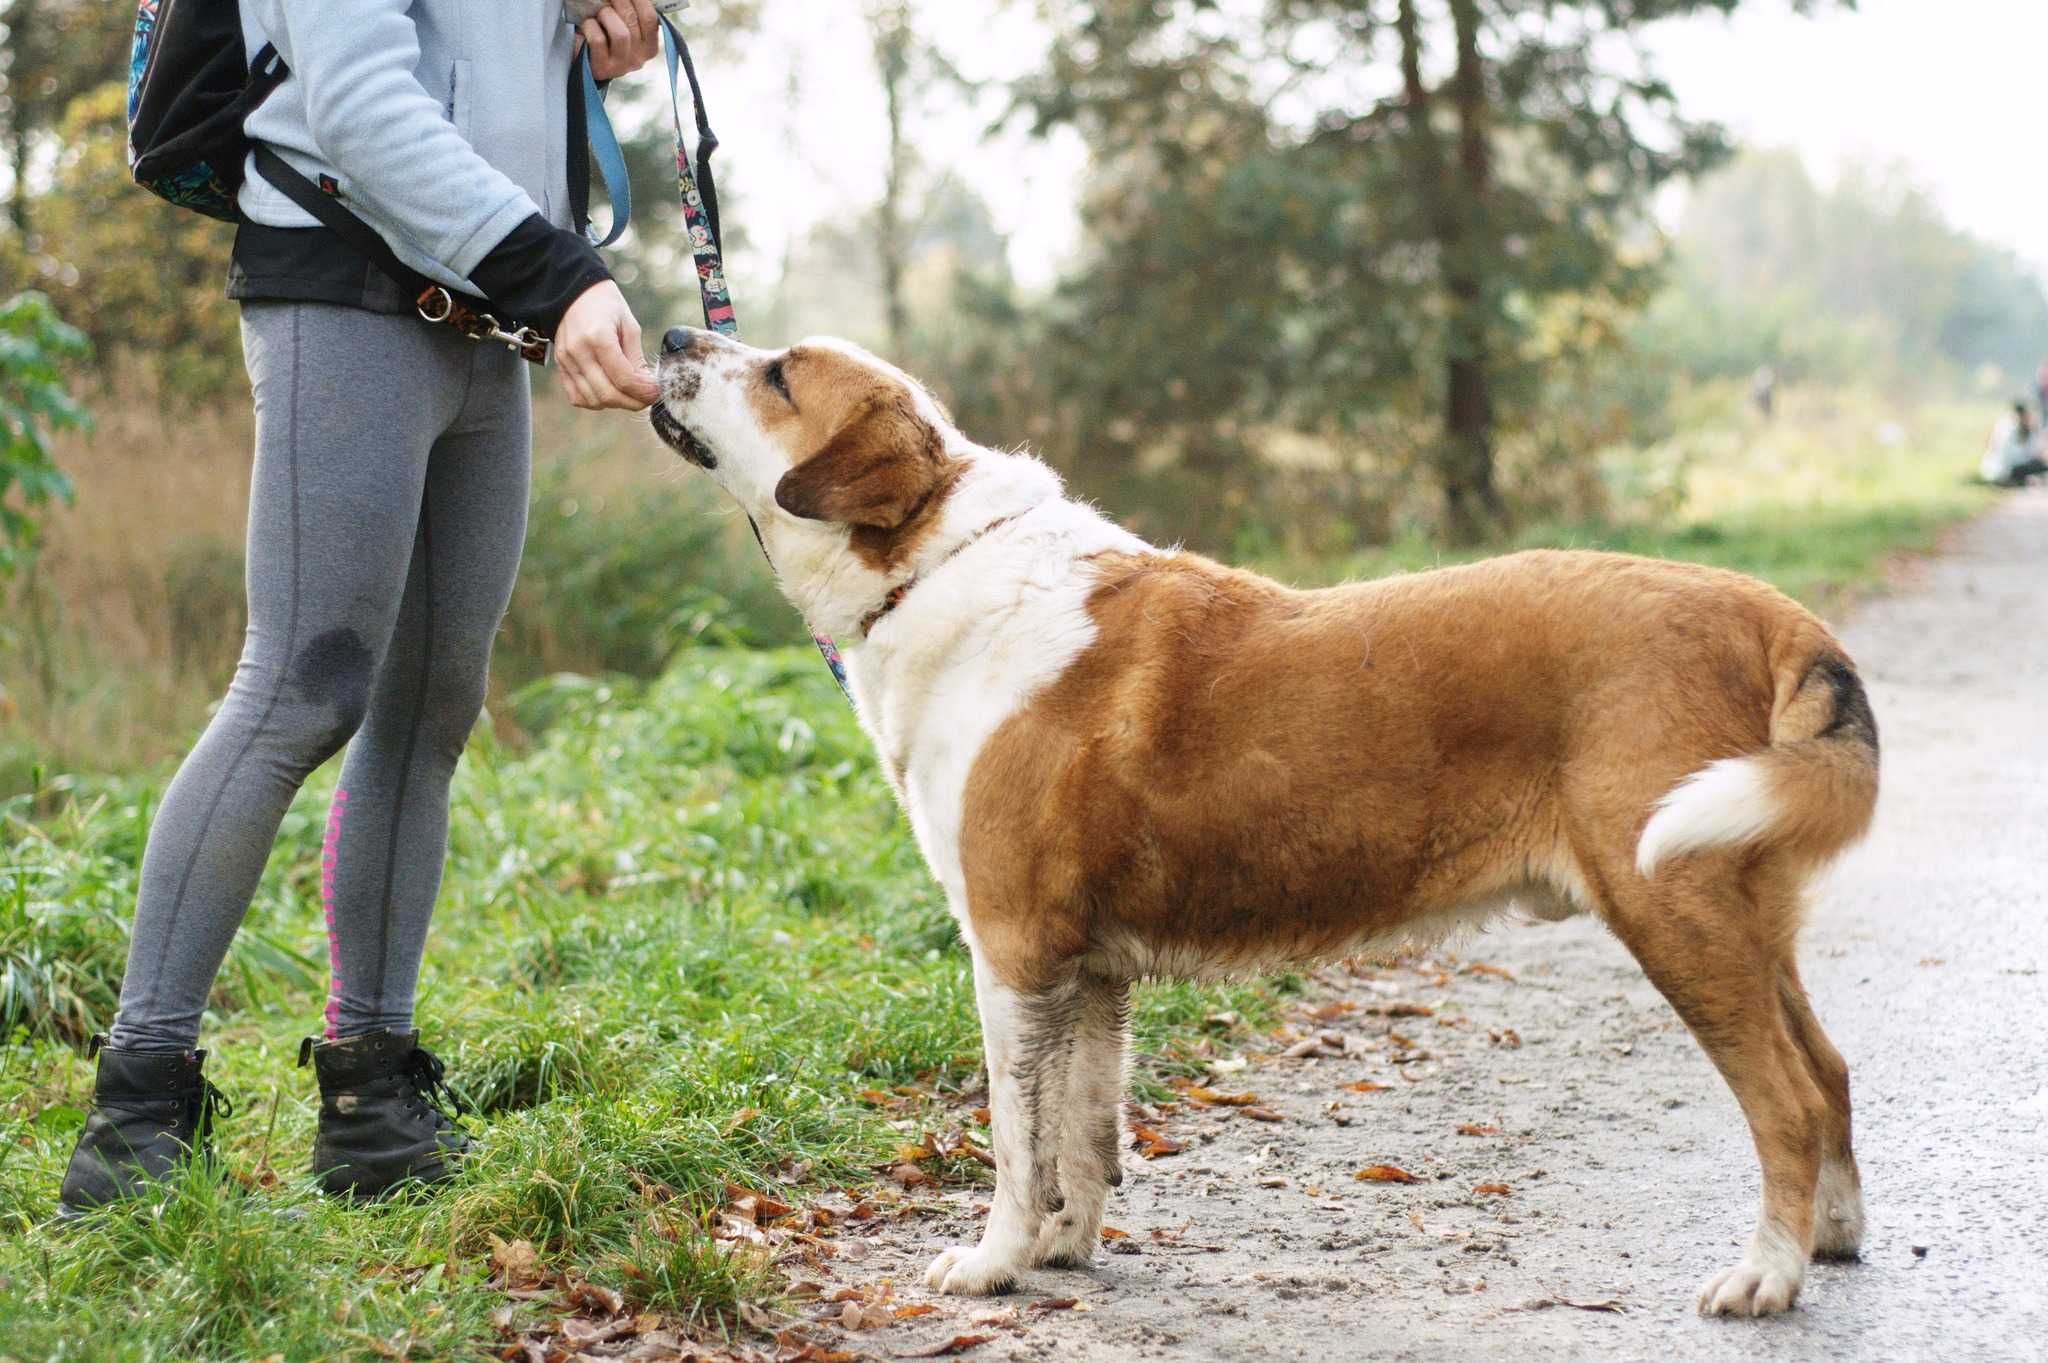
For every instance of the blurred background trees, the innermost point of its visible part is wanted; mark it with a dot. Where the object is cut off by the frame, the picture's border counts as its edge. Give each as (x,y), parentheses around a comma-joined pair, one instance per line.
(1352,283)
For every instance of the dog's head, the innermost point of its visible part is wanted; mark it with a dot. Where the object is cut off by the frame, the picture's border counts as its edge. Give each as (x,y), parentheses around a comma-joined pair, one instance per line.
(821,432)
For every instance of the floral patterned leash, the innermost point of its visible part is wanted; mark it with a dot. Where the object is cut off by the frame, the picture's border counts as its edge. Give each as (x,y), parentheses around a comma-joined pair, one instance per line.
(700,215)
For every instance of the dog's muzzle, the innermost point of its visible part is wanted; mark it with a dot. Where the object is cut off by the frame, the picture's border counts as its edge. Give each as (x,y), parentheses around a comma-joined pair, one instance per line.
(679,378)
(679,437)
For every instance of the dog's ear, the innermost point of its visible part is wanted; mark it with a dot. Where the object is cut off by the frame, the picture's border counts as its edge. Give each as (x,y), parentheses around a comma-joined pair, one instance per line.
(876,472)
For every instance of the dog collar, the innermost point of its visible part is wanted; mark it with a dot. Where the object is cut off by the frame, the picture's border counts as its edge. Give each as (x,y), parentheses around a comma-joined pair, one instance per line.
(902,589)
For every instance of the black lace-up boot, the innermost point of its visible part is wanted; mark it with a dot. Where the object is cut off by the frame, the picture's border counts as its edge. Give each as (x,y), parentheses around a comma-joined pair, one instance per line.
(150,1111)
(385,1114)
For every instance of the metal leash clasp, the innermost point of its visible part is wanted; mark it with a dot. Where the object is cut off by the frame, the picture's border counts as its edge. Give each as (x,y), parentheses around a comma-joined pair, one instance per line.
(437,305)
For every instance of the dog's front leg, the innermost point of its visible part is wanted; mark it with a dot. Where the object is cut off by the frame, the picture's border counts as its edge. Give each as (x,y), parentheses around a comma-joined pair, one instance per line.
(1091,1137)
(1028,1039)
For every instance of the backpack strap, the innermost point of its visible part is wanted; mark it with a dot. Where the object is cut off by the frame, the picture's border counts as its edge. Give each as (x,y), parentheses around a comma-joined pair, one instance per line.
(435,302)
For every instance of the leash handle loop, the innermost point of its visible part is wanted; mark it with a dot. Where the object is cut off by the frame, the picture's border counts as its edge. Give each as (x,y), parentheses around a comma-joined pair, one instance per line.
(611,159)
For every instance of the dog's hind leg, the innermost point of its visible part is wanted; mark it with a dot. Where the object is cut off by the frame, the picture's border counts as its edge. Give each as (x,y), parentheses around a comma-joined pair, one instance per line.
(1091,1134)
(1028,1039)
(1838,1207)
(1718,954)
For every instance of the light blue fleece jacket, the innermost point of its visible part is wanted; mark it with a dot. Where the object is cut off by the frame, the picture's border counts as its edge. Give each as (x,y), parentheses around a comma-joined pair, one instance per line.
(444,122)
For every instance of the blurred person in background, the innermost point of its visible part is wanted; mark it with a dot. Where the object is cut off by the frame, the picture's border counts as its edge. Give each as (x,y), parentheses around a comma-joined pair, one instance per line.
(2013,458)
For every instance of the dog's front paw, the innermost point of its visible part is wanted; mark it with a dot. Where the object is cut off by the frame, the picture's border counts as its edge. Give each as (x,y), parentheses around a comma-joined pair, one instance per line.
(971,1271)
(1067,1240)
(1761,1285)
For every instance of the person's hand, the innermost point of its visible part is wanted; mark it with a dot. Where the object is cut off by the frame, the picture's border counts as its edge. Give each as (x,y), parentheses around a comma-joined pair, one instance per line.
(623,36)
(597,350)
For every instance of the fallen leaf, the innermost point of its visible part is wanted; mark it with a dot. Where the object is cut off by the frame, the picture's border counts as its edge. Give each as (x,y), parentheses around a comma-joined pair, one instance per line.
(957,1344)
(1384,1173)
(517,1260)
(1475,1129)
(858,1315)
(755,1206)
(1366,1086)
(1112,1233)
(1493,1190)
(1482,968)
(1402,1009)
(982,1115)
(741,1118)
(1610,1305)
(910,1176)
(915,1309)
(1053,1304)
(1505,1036)
(1261,1114)
(592,1297)
(1151,1144)
(1201,1096)
(1006,1316)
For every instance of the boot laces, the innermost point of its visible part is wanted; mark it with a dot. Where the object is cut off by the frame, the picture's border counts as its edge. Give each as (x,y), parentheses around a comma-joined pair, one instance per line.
(207,1105)
(428,1076)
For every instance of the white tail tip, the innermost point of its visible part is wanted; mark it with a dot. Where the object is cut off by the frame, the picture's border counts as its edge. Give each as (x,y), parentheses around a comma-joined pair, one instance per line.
(1723,804)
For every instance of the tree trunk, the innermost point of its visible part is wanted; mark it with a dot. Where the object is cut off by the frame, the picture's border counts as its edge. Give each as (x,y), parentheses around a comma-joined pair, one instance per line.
(892,56)
(19,17)
(1456,214)
(1474,502)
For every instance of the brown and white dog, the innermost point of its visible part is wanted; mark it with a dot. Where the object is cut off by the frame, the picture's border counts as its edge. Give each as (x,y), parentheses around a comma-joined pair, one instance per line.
(1123,761)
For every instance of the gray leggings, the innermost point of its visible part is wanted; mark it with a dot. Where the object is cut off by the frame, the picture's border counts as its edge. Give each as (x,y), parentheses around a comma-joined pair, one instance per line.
(386,516)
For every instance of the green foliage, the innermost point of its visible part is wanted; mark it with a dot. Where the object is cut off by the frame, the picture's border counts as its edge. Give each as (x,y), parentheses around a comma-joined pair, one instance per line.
(34,401)
(142,279)
(619,581)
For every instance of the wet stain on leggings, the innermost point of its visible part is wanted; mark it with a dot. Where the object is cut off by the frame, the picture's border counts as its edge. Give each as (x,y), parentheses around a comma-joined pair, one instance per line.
(334,670)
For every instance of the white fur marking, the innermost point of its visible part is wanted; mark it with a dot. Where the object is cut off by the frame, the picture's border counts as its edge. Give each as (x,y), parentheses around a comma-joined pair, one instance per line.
(1723,804)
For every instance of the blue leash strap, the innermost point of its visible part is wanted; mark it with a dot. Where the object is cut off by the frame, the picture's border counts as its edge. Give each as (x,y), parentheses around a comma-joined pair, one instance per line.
(699,193)
(605,151)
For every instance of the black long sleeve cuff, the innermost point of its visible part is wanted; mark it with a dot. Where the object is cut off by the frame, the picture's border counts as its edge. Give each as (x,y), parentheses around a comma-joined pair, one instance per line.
(536,272)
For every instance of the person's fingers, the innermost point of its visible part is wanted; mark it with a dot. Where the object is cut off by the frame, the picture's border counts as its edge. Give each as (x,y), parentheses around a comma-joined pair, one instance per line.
(620,370)
(571,375)
(650,27)
(600,44)
(623,37)
(629,16)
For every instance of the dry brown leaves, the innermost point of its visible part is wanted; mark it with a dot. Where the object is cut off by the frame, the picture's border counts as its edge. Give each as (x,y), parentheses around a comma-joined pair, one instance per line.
(1475,1129)
(1384,1173)
(1199,1096)
(1150,1143)
(958,1344)
(1366,1086)
(1492,1190)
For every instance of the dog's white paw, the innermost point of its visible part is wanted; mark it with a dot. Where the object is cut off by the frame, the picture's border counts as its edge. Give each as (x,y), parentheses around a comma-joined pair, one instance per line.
(1763,1284)
(971,1271)
(1067,1240)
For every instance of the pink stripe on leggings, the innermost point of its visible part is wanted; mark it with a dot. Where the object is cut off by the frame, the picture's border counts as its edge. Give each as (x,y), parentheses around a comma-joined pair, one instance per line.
(330,853)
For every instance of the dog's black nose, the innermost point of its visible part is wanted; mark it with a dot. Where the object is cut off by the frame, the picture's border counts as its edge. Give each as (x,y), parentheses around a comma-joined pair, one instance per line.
(676,341)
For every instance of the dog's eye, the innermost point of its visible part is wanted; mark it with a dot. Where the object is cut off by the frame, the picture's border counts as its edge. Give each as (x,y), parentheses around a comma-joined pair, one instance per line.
(778,379)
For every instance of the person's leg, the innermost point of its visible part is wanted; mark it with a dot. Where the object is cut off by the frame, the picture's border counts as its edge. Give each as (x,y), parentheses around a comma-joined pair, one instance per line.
(388,828)
(348,407)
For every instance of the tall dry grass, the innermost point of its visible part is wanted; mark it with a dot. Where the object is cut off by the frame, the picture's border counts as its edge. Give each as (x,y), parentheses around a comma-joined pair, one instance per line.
(128,628)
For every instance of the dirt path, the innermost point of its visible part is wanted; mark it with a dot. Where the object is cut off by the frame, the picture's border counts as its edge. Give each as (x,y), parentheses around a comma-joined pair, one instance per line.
(1630,1169)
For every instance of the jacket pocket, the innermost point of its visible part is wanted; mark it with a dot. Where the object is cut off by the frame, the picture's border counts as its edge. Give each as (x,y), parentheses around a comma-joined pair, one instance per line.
(461,99)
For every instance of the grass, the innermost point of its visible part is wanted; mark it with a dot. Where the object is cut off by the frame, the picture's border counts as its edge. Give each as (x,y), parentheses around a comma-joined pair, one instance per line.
(685,938)
(1822,501)
(637,911)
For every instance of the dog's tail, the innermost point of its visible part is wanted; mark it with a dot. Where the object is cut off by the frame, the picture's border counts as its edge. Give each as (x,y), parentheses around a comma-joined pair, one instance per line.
(1810,793)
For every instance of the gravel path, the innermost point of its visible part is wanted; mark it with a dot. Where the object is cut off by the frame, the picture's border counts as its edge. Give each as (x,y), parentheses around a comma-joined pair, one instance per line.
(1630,1170)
